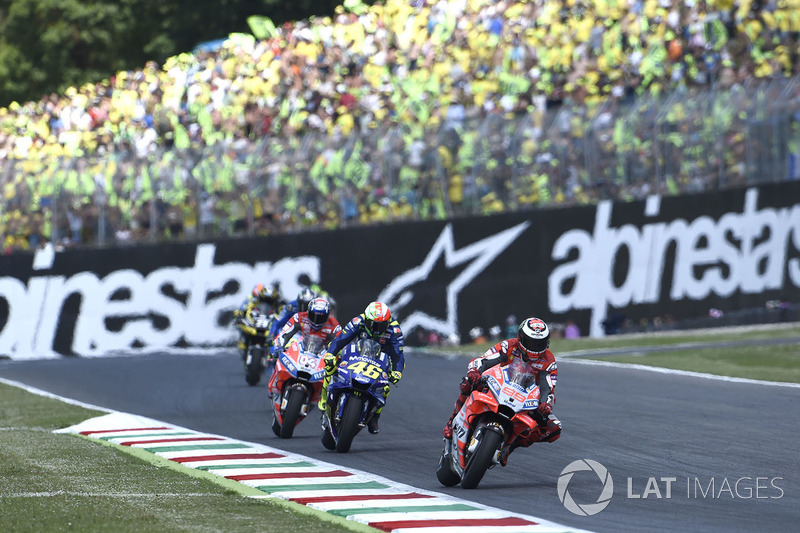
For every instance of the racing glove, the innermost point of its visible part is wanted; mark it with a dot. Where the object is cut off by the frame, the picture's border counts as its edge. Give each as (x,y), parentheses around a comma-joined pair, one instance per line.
(470,381)
(394,376)
(545,409)
(330,363)
(275,350)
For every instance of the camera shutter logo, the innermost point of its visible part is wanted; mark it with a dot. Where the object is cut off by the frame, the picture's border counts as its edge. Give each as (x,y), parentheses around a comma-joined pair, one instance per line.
(587,509)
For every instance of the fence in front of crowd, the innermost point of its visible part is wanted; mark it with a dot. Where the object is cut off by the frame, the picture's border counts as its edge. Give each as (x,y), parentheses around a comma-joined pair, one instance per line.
(494,161)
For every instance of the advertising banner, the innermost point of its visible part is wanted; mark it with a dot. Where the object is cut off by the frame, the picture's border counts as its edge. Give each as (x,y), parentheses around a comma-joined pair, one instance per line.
(676,256)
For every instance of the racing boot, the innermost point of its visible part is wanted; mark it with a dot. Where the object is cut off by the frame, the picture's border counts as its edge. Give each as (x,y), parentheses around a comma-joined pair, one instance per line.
(323,397)
(372,425)
(242,346)
(552,430)
(447,432)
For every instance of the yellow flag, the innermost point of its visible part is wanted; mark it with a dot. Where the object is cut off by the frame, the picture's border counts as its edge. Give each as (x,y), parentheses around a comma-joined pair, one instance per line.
(261,26)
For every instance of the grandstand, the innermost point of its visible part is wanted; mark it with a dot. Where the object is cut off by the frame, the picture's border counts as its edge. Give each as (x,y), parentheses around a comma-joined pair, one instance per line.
(411,111)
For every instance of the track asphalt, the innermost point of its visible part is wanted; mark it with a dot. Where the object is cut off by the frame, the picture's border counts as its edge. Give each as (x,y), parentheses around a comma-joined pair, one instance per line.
(727,451)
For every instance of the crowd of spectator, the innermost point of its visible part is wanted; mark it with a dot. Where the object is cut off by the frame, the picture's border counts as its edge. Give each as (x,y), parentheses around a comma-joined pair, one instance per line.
(410,110)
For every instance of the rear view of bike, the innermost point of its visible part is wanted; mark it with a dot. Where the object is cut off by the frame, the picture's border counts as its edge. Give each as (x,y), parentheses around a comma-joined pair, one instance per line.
(256,360)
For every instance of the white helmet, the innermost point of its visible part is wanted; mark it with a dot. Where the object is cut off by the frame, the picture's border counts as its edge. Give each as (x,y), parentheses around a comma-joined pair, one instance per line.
(534,337)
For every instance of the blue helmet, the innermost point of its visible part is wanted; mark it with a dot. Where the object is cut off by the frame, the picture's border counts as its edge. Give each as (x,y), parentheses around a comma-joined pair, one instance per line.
(318,312)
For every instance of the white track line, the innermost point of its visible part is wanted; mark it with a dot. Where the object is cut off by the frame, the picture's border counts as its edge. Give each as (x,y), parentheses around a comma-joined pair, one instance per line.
(662,370)
(46,394)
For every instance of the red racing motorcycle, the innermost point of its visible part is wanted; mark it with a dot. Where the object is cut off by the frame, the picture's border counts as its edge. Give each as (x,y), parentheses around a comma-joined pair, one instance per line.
(494,415)
(296,383)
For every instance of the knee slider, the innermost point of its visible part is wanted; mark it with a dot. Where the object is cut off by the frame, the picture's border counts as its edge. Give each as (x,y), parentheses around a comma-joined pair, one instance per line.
(553,431)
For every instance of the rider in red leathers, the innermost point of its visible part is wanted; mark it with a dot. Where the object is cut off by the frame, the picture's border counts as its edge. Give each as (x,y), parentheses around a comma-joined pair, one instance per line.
(316,321)
(532,347)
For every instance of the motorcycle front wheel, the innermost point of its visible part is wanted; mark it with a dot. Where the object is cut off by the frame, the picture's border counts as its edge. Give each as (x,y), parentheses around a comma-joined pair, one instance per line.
(295,399)
(348,426)
(481,458)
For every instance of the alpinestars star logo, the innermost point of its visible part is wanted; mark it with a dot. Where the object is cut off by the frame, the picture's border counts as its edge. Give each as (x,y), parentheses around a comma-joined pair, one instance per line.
(476,256)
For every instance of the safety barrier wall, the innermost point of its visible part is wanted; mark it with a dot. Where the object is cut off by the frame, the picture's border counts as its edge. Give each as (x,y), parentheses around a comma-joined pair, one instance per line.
(663,256)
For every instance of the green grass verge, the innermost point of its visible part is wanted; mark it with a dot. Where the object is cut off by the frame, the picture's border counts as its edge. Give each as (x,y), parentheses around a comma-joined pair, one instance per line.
(59,482)
(772,363)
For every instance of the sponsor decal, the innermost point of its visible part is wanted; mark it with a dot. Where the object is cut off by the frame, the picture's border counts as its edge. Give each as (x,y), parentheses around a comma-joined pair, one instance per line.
(471,260)
(157,310)
(745,251)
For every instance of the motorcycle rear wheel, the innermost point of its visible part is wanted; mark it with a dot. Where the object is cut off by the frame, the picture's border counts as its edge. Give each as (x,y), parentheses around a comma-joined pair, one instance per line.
(481,458)
(252,368)
(445,473)
(327,439)
(348,426)
(291,415)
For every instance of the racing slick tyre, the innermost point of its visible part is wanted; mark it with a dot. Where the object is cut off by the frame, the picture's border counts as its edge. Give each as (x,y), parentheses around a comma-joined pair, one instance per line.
(481,458)
(252,367)
(328,440)
(348,426)
(291,415)
(445,474)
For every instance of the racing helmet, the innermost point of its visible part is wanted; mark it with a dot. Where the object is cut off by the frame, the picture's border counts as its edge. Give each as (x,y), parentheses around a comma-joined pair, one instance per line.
(260,292)
(534,337)
(377,318)
(274,292)
(304,297)
(318,312)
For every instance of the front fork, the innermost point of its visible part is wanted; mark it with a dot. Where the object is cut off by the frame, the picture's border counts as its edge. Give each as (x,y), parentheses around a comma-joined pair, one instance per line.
(306,408)
(475,440)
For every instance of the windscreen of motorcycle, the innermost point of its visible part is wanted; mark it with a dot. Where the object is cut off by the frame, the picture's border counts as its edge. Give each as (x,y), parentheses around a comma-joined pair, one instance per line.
(313,344)
(369,348)
(520,374)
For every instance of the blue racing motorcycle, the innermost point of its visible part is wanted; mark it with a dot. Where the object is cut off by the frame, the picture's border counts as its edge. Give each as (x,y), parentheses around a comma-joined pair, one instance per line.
(355,392)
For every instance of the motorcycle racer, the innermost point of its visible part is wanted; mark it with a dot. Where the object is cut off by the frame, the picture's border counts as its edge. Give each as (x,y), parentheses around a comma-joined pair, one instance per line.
(297,305)
(260,294)
(375,322)
(531,346)
(316,321)
(318,290)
